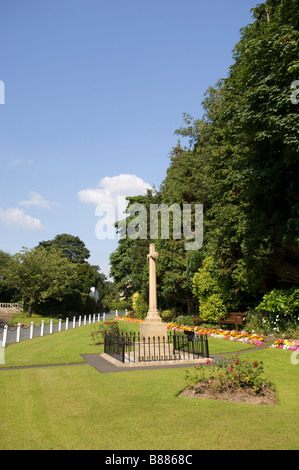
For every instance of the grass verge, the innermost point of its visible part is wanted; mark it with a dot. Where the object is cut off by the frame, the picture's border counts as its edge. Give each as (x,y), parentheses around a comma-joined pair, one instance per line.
(76,407)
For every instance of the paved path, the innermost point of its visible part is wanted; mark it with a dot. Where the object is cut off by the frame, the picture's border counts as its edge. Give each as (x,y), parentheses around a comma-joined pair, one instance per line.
(104,366)
(101,365)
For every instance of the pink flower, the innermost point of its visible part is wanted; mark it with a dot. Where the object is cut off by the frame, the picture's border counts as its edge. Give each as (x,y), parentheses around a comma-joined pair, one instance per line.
(208,362)
(230,368)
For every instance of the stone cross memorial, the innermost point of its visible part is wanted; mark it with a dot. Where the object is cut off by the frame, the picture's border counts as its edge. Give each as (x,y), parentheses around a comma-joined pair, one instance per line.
(153,327)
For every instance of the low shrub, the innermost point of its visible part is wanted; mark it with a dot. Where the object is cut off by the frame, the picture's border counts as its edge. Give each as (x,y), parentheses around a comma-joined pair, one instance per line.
(208,292)
(73,303)
(230,374)
(168,315)
(120,306)
(139,305)
(278,312)
(240,374)
(109,327)
(186,320)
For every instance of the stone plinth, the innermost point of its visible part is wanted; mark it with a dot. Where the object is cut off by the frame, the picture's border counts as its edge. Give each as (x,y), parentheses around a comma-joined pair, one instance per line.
(153,327)
(154,351)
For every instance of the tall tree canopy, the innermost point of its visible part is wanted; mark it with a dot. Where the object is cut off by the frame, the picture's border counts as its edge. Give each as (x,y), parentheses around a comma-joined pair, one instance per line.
(38,275)
(70,246)
(242,164)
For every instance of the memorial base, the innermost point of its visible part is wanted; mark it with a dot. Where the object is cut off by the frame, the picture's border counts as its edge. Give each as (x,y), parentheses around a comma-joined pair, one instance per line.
(153,327)
(153,330)
(154,351)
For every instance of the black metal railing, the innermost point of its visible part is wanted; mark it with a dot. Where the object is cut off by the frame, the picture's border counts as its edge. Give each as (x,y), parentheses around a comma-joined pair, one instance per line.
(129,347)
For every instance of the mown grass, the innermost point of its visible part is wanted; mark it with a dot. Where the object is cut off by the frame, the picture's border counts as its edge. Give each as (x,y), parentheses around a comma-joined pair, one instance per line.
(35,318)
(68,345)
(76,407)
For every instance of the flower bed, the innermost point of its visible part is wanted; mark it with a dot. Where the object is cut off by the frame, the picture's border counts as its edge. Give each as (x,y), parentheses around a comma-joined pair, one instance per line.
(233,335)
(286,344)
(231,379)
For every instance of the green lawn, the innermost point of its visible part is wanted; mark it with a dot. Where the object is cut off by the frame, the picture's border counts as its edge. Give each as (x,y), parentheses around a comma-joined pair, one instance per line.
(68,345)
(35,318)
(76,407)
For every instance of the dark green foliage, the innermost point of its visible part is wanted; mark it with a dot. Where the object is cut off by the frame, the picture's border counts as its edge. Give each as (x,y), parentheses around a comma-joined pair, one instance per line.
(70,246)
(242,164)
(74,303)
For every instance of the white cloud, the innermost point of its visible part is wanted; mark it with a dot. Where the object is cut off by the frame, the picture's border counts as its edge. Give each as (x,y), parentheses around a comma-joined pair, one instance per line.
(17,217)
(38,200)
(113,189)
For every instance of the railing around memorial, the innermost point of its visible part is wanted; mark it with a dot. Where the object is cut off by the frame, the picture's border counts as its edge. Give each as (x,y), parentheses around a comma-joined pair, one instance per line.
(130,347)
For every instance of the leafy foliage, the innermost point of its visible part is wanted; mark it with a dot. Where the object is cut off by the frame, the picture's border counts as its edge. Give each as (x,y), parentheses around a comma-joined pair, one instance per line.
(280,308)
(240,374)
(139,305)
(242,164)
(109,327)
(231,374)
(38,275)
(70,246)
(208,292)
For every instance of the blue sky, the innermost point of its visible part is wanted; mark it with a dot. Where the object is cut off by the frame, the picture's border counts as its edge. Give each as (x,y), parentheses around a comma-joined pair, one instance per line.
(94,90)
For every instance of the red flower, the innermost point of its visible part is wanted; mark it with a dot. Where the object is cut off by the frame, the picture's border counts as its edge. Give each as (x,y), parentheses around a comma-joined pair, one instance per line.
(237,361)
(208,362)
(230,368)
(255,364)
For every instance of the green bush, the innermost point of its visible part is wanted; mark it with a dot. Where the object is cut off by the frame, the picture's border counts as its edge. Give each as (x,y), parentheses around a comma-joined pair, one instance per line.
(140,306)
(211,308)
(257,322)
(88,304)
(208,292)
(240,375)
(73,303)
(279,310)
(168,315)
(109,327)
(120,306)
(229,374)
(186,320)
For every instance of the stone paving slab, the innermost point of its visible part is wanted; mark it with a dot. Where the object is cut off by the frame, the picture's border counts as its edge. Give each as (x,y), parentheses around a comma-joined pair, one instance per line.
(104,363)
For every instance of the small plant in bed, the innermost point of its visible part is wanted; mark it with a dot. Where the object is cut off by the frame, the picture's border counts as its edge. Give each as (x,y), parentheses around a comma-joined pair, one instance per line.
(231,379)
(109,327)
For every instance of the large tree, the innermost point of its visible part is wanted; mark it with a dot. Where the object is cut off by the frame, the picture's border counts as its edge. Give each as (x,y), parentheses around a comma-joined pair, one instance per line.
(38,275)
(242,164)
(242,159)
(70,246)
(6,294)
(266,64)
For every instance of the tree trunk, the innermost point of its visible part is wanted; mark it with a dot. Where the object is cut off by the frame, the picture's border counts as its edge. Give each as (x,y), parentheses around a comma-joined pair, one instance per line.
(29,310)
